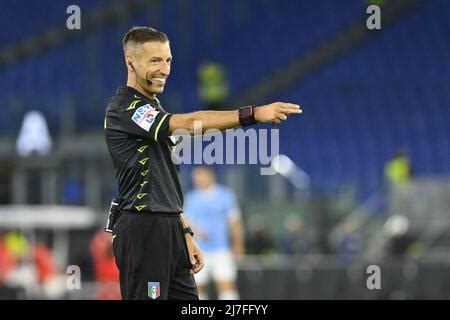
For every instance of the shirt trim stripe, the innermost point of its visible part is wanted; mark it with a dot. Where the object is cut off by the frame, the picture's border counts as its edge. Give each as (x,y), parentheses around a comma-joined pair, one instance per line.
(159,125)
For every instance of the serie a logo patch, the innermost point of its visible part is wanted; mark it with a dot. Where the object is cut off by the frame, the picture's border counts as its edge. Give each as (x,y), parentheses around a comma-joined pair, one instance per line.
(153,290)
(145,116)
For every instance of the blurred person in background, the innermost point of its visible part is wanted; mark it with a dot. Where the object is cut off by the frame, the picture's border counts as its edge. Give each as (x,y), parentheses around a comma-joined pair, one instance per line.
(295,238)
(29,268)
(397,172)
(349,243)
(51,281)
(20,275)
(398,178)
(106,272)
(8,264)
(213,88)
(260,239)
(73,191)
(216,219)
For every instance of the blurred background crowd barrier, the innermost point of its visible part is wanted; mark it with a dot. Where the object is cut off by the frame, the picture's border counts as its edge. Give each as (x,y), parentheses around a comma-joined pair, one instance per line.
(373,142)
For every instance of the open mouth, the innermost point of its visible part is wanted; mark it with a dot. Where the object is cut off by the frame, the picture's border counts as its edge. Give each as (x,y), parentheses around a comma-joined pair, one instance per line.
(159,80)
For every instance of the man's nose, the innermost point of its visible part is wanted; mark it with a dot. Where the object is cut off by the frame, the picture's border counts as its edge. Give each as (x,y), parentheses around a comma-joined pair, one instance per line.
(165,69)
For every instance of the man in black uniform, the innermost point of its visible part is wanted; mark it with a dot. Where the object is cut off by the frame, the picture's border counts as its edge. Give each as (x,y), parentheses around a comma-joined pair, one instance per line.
(153,245)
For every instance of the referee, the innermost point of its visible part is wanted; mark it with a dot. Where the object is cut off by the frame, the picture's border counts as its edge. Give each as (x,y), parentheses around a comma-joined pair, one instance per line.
(153,245)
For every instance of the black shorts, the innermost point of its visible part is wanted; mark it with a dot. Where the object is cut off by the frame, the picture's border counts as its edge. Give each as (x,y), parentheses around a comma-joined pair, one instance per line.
(152,257)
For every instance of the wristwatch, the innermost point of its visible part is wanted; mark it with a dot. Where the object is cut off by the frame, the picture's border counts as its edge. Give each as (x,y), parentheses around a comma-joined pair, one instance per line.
(247,116)
(188,230)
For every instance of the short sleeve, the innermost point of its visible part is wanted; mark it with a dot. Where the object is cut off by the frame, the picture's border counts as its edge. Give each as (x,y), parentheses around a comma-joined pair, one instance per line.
(233,210)
(140,119)
(189,209)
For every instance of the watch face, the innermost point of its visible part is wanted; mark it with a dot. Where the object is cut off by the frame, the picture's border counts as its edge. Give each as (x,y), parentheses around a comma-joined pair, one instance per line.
(246,112)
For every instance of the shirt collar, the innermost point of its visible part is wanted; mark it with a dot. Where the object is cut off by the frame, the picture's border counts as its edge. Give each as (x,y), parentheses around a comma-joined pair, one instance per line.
(135,93)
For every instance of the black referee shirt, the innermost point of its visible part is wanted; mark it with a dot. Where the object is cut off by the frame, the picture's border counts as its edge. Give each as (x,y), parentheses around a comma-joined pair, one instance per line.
(136,130)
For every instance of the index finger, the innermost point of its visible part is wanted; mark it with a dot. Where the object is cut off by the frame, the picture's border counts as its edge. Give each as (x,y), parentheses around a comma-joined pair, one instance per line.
(289,110)
(287,105)
(290,105)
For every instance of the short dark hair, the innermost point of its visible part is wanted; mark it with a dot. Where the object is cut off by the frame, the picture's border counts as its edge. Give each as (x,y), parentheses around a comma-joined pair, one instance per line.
(142,35)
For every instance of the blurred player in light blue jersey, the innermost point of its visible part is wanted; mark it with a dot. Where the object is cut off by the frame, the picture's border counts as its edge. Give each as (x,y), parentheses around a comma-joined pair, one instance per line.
(214,213)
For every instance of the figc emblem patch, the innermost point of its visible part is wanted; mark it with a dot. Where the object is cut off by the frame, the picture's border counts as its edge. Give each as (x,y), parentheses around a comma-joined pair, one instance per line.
(153,290)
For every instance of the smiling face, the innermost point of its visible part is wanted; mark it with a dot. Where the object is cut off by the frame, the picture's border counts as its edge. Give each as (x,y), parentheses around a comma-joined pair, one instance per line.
(149,66)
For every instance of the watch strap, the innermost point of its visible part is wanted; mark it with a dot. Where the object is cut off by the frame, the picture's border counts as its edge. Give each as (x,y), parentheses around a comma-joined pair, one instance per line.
(247,116)
(188,230)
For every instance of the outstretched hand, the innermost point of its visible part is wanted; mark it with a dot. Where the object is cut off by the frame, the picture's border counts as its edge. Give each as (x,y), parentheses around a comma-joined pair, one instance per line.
(276,112)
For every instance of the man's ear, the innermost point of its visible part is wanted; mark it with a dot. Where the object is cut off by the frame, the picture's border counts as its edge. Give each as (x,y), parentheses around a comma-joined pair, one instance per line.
(129,59)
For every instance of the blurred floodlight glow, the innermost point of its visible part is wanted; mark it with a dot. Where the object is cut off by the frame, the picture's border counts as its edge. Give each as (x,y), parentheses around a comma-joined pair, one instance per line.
(396,225)
(282,164)
(288,169)
(34,135)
